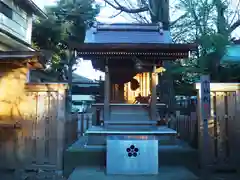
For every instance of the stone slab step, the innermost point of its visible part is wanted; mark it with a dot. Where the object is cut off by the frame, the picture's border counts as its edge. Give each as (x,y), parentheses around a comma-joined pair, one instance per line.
(165,173)
(95,156)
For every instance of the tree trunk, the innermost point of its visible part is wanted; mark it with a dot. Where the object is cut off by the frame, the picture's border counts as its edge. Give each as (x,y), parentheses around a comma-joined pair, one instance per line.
(160,13)
(166,87)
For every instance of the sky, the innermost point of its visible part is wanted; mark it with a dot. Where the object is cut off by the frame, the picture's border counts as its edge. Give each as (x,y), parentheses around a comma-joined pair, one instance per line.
(85,68)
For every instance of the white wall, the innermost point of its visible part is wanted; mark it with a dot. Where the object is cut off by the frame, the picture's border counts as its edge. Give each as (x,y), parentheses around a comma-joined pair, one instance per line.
(3,47)
(21,23)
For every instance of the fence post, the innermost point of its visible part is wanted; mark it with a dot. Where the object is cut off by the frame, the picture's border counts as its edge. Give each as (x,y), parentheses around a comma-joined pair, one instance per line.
(87,119)
(98,121)
(178,122)
(82,124)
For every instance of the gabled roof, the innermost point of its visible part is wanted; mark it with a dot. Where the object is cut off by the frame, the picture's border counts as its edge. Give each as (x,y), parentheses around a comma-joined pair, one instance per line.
(127,33)
(35,9)
(124,44)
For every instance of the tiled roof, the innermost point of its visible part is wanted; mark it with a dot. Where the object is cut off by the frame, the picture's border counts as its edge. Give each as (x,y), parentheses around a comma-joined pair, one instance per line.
(127,33)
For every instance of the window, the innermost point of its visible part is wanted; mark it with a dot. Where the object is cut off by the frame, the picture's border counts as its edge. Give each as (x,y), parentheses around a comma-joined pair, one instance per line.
(6,10)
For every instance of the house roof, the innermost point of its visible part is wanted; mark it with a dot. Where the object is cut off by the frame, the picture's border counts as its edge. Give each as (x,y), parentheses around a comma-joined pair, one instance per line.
(78,80)
(232,54)
(34,58)
(35,9)
(82,79)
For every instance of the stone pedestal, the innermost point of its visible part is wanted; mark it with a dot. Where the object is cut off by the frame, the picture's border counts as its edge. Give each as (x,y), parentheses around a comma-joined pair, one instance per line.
(132,155)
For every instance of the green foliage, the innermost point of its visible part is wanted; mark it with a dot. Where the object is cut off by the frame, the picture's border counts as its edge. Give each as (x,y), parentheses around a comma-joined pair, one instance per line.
(77,15)
(67,21)
(209,24)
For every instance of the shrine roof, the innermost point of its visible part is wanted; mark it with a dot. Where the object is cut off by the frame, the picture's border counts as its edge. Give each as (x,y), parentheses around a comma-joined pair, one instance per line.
(132,39)
(127,33)
(147,42)
(139,49)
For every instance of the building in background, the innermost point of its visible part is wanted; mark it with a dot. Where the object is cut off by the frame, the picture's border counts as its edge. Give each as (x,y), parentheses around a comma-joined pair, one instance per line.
(232,54)
(83,92)
(16,19)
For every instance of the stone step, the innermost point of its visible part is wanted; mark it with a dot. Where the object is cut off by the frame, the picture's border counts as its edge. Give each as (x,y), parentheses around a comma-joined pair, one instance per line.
(101,140)
(95,156)
(130,117)
(146,130)
(165,173)
(131,122)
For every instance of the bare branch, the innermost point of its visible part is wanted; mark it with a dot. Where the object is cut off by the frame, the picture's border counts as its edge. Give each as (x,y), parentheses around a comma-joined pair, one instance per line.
(139,17)
(235,13)
(181,17)
(119,7)
(115,15)
(234,26)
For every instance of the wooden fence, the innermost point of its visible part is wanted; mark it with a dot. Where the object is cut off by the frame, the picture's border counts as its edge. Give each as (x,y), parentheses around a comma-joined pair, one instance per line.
(186,121)
(223,126)
(40,140)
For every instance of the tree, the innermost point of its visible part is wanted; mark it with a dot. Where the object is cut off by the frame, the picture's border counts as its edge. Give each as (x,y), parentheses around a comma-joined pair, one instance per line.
(67,23)
(207,23)
(210,24)
(47,34)
(158,11)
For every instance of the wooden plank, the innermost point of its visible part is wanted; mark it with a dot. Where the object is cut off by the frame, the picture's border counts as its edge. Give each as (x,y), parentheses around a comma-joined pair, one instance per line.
(52,126)
(40,128)
(61,118)
(237,128)
(221,126)
(28,130)
(34,117)
(231,129)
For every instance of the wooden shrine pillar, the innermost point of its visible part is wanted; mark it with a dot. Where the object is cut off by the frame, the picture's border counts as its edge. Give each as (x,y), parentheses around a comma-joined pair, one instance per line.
(153,94)
(106,94)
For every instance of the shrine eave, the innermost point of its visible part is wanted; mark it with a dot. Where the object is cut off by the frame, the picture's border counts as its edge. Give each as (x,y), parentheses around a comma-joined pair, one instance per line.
(133,49)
